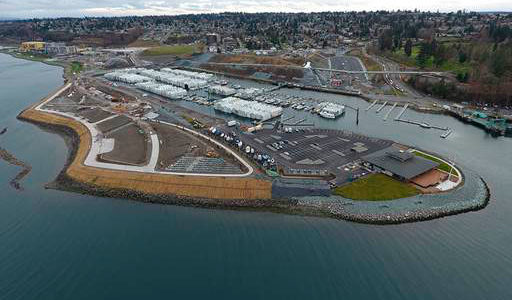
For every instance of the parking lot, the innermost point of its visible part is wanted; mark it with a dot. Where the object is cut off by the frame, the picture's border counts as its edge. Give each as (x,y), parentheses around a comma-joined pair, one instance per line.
(315,152)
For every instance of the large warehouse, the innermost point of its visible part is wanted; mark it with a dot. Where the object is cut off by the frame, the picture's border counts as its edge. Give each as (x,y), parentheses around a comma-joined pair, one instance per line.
(401,164)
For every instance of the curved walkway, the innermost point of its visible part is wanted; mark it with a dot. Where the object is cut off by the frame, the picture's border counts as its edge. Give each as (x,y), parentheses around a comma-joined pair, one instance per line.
(155,146)
(446,185)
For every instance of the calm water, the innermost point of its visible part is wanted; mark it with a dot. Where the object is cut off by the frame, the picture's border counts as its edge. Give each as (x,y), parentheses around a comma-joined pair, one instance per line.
(57,245)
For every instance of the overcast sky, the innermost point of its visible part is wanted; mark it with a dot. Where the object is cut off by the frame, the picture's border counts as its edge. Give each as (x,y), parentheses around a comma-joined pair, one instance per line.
(79,8)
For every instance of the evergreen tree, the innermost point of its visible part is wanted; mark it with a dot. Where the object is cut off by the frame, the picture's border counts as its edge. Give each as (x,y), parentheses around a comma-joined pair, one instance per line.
(408,47)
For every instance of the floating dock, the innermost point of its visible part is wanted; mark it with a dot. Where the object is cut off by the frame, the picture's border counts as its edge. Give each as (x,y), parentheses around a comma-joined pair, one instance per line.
(389,112)
(383,105)
(287,119)
(371,105)
(397,118)
(423,124)
(299,121)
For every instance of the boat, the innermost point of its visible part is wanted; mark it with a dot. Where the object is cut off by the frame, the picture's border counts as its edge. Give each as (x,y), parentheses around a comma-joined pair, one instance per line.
(327,115)
(425,125)
(3,131)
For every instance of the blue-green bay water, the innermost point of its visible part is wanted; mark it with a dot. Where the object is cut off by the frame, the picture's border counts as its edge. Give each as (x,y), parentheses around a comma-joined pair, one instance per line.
(59,245)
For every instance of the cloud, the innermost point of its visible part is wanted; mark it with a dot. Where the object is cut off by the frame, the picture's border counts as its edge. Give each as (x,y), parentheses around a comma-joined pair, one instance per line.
(78,8)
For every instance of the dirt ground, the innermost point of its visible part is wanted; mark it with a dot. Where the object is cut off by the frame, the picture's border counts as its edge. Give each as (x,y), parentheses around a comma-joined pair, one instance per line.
(113,123)
(131,147)
(255,59)
(176,143)
(94,115)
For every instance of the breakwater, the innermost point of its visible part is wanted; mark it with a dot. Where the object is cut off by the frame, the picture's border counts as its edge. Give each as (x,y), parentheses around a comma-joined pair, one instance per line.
(25,168)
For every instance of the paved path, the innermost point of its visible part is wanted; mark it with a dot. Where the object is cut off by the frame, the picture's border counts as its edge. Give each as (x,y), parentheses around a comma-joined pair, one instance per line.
(447,184)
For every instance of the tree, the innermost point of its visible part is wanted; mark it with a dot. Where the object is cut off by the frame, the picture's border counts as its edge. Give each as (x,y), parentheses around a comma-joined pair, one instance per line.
(440,55)
(423,55)
(462,57)
(408,47)
(386,40)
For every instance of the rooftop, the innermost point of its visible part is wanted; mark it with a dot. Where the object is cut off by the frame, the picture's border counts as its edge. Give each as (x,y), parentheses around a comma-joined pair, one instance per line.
(400,163)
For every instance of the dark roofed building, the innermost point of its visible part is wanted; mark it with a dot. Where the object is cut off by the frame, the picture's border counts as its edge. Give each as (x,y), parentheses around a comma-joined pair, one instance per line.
(402,164)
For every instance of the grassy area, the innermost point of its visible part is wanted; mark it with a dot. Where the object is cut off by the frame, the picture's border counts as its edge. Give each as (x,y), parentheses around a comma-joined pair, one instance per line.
(450,65)
(376,187)
(442,165)
(76,67)
(30,56)
(171,50)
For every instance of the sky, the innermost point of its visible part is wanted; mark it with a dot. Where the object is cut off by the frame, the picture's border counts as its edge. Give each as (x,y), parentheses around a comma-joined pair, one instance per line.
(80,8)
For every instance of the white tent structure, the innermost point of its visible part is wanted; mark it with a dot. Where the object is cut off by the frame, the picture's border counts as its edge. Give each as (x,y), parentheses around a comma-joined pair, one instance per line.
(165,90)
(126,77)
(248,109)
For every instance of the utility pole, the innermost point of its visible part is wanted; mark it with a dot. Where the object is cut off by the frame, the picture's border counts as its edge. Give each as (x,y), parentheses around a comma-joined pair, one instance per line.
(357,116)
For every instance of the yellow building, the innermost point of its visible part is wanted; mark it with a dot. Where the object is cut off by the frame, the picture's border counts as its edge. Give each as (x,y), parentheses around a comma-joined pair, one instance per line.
(32,46)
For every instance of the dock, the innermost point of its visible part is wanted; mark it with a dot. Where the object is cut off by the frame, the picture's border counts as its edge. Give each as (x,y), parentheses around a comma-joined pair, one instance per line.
(301,124)
(299,121)
(383,105)
(389,112)
(423,124)
(397,118)
(287,119)
(371,105)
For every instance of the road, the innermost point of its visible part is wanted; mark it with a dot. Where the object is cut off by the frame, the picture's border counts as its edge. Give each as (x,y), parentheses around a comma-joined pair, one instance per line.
(394,79)
(330,70)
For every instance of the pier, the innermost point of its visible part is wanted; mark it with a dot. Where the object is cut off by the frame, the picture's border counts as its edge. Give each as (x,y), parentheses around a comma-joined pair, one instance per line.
(389,112)
(287,119)
(299,121)
(383,105)
(423,124)
(397,118)
(371,105)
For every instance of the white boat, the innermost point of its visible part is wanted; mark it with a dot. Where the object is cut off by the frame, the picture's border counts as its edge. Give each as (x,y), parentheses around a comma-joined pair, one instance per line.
(327,115)
(331,110)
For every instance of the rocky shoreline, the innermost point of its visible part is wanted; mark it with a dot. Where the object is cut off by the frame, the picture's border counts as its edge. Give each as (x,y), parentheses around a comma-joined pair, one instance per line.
(325,207)
(11,159)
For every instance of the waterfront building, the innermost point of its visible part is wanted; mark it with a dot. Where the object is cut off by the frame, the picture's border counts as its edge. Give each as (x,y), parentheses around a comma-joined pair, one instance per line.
(400,164)
(32,46)
(55,49)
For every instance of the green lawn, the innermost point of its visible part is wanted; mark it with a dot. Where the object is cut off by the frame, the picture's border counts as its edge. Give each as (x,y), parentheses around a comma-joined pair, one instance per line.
(451,65)
(76,67)
(376,187)
(29,56)
(171,50)
(442,165)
